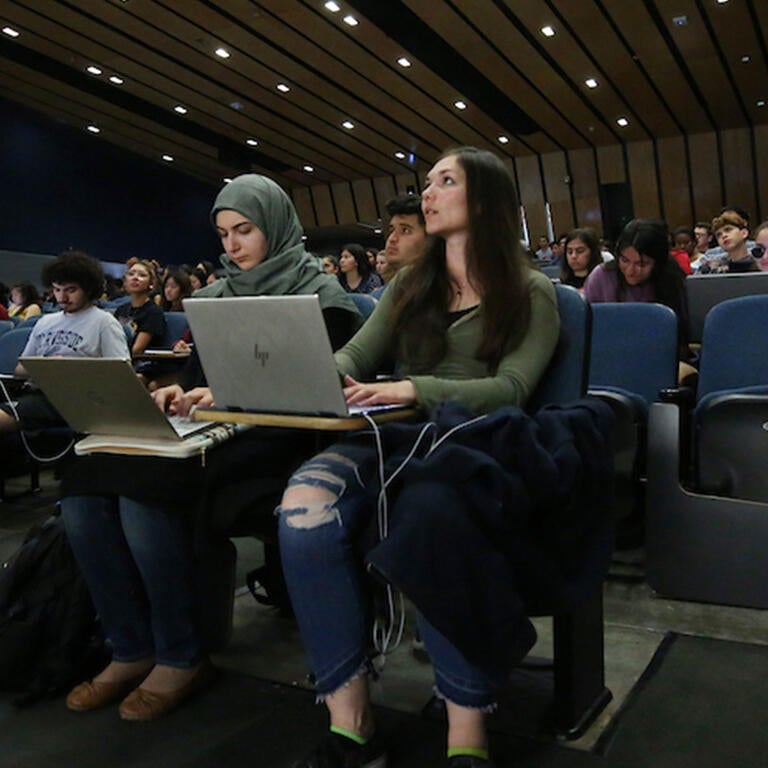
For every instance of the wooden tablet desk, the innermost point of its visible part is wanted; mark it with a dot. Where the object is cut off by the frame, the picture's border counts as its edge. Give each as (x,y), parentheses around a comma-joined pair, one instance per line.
(324,423)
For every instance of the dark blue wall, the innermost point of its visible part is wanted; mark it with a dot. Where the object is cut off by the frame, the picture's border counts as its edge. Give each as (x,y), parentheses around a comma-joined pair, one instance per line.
(63,188)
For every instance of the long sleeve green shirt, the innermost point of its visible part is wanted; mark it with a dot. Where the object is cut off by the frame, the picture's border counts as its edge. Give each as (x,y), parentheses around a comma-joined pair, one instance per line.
(460,375)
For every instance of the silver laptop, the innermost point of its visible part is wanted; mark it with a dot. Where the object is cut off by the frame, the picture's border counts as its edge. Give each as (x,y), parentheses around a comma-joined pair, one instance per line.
(269,354)
(103,396)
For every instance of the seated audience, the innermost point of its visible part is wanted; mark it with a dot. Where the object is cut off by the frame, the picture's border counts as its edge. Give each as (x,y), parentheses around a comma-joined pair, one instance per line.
(25,301)
(704,239)
(382,266)
(176,288)
(80,329)
(582,255)
(331,264)
(198,279)
(406,235)
(448,316)
(684,248)
(141,314)
(544,251)
(135,551)
(732,234)
(5,293)
(355,274)
(558,249)
(717,253)
(761,238)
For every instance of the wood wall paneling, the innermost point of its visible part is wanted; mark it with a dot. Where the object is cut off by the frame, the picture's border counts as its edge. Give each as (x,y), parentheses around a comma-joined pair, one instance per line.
(705,176)
(384,187)
(558,191)
(302,200)
(761,151)
(362,189)
(739,169)
(585,192)
(532,195)
(345,205)
(610,164)
(643,180)
(321,197)
(675,186)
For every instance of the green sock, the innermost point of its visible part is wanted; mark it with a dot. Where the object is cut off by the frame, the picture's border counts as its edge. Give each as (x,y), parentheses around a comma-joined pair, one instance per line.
(471,751)
(348,735)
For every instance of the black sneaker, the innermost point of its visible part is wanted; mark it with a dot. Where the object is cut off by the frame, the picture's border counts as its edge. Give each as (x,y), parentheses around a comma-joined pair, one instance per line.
(469,761)
(340,752)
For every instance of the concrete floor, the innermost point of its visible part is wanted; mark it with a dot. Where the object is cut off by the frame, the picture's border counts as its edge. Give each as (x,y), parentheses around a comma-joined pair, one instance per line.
(267,645)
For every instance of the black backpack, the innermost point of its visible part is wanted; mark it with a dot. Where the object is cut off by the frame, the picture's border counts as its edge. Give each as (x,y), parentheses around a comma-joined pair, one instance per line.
(49,638)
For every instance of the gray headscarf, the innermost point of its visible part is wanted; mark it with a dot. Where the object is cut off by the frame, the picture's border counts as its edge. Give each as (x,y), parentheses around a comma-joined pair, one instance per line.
(287,268)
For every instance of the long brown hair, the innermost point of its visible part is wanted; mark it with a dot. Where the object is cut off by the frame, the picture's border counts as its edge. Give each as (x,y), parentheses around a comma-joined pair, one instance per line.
(495,268)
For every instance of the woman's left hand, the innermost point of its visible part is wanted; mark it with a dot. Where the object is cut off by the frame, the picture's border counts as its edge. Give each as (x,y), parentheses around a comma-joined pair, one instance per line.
(379,393)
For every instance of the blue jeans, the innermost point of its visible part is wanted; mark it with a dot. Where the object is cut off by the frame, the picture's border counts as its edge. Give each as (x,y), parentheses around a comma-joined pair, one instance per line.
(138,564)
(327,583)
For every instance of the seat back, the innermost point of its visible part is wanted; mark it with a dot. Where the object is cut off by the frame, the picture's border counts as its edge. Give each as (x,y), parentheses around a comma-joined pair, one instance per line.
(634,348)
(552,270)
(706,291)
(565,379)
(365,304)
(176,324)
(12,344)
(734,348)
(6,325)
(29,322)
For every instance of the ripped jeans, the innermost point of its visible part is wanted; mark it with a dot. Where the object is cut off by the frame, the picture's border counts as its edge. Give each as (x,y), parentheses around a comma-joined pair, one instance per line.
(329,503)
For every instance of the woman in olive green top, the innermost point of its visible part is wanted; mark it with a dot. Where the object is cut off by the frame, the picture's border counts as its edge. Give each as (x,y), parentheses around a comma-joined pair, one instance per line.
(469,322)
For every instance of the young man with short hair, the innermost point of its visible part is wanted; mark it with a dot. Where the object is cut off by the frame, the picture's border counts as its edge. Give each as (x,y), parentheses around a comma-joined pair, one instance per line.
(79,330)
(732,233)
(716,260)
(406,235)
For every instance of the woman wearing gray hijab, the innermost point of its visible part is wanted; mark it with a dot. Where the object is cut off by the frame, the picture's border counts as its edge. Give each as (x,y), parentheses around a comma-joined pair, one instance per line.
(128,518)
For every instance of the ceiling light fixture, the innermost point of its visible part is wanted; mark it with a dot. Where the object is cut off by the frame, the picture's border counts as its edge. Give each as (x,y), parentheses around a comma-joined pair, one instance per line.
(252,142)
(503,139)
(168,158)
(93,70)
(744,59)
(404,62)
(93,129)
(282,87)
(181,110)
(548,31)
(350,21)
(459,104)
(722,2)
(309,169)
(116,80)
(590,82)
(623,122)
(400,155)
(10,31)
(348,124)
(761,103)
(333,7)
(222,53)
(227,180)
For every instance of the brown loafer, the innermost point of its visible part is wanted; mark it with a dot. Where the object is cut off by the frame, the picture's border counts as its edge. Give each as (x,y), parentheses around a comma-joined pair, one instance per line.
(141,704)
(94,695)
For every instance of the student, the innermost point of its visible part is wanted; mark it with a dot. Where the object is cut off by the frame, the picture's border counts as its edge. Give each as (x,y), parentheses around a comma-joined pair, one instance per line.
(716,259)
(761,238)
(130,530)
(330,264)
(176,288)
(470,321)
(732,234)
(684,248)
(25,302)
(355,272)
(144,317)
(544,251)
(79,330)
(582,255)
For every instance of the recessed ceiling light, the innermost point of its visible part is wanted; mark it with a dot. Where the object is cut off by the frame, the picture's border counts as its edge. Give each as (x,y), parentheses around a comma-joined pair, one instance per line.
(548,31)
(116,80)
(503,139)
(459,104)
(93,70)
(282,87)
(93,129)
(623,122)
(227,180)
(236,105)
(252,142)
(744,59)
(404,62)
(350,21)
(10,31)
(309,169)
(761,103)
(333,7)
(590,82)
(400,155)
(722,2)
(222,53)
(348,124)
(181,110)
(168,158)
